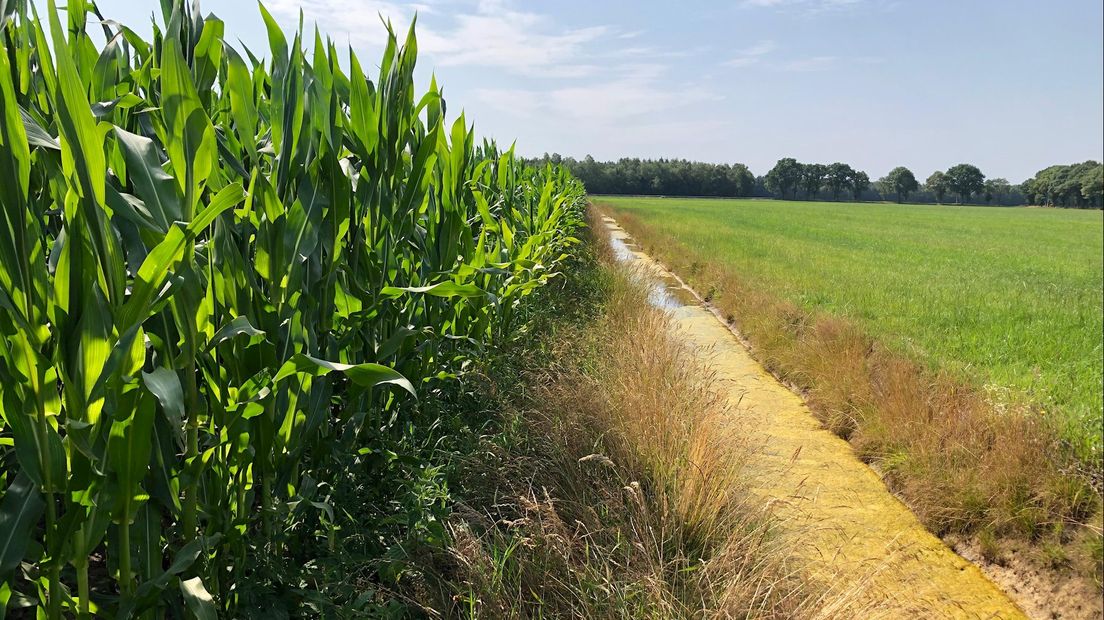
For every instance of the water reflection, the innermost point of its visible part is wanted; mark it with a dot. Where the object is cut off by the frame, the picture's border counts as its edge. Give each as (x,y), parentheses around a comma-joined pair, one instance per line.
(661,297)
(659,294)
(621,249)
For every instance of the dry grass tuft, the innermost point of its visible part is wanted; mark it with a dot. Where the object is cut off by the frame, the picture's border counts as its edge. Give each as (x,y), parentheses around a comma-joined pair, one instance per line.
(627,499)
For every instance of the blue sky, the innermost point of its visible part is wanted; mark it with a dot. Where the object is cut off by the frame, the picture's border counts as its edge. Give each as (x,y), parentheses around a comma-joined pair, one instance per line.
(1011,86)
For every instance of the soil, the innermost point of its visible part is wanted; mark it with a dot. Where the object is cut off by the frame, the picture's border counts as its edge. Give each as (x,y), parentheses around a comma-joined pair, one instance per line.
(1041,593)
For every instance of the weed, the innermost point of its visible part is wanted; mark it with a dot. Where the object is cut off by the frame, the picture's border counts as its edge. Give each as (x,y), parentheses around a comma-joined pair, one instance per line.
(990,547)
(1095,548)
(1053,555)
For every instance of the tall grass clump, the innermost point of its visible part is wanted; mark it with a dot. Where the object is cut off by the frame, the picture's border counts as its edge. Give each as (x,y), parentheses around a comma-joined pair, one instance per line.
(623,492)
(231,291)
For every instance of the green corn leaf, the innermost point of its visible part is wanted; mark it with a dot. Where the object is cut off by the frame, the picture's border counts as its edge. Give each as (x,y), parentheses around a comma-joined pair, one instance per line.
(95,339)
(304,221)
(105,73)
(441,289)
(489,221)
(239,326)
(150,279)
(131,208)
(276,38)
(84,153)
(241,103)
(364,375)
(365,124)
(41,459)
(164,384)
(128,447)
(157,189)
(166,256)
(7,7)
(228,197)
(150,591)
(198,599)
(147,535)
(22,272)
(189,135)
(19,513)
(36,135)
(208,53)
(392,344)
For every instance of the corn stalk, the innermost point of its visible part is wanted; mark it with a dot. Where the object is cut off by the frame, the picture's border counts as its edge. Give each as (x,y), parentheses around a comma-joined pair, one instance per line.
(222,281)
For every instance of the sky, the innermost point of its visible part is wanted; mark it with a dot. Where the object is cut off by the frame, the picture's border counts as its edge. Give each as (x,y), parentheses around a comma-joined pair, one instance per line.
(1009,85)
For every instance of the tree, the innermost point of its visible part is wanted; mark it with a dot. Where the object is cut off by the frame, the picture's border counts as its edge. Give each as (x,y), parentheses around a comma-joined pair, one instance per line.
(838,176)
(1027,188)
(812,178)
(883,187)
(672,177)
(937,184)
(741,180)
(1043,187)
(996,189)
(965,180)
(860,182)
(784,177)
(902,182)
(1092,185)
(1074,185)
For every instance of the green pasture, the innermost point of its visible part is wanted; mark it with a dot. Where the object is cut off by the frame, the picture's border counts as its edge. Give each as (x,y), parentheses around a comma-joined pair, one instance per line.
(1011,297)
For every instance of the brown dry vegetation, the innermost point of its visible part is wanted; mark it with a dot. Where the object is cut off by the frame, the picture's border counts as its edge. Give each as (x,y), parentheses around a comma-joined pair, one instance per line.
(963,463)
(620,494)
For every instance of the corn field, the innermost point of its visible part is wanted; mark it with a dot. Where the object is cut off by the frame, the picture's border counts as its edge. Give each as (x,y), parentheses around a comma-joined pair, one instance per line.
(225,283)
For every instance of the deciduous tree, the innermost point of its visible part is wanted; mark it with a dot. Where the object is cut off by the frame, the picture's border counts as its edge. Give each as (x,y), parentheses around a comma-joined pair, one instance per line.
(937,184)
(784,178)
(902,182)
(996,189)
(965,180)
(838,177)
(860,182)
(1092,185)
(1074,185)
(812,178)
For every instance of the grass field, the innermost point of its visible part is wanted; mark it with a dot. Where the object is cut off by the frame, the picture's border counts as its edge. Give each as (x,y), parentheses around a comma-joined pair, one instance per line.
(1008,298)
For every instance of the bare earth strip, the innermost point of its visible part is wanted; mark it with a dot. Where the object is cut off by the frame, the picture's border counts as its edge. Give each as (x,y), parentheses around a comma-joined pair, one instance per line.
(851,527)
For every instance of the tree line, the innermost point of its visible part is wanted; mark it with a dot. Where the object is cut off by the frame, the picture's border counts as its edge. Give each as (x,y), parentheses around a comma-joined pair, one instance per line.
(789,177)
(1074,185)
(665,177)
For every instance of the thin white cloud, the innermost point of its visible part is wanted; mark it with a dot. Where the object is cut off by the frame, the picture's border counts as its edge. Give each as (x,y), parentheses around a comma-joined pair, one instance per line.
(594,80)
(487,33)
(751,55)
(357,20)
(518,41)
(635,91)
(639,53)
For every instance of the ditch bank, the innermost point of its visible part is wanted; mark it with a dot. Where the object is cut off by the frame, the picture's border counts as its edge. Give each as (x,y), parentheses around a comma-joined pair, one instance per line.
(850,526)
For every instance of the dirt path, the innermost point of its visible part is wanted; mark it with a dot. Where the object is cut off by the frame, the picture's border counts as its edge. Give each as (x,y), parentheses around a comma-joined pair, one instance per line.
(849,523)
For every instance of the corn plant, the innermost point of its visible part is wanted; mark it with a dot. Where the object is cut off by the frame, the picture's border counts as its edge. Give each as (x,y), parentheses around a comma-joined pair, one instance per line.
(224,283)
